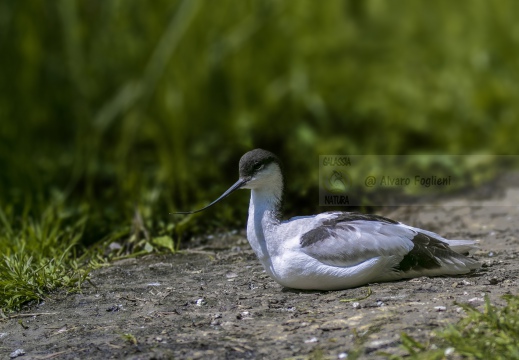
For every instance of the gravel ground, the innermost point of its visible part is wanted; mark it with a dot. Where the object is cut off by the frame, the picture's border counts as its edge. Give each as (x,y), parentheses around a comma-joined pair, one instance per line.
(214,301)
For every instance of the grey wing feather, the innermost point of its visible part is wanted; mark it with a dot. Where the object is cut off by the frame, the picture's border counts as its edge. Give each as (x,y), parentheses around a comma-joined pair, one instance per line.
(349,243)
(348,239)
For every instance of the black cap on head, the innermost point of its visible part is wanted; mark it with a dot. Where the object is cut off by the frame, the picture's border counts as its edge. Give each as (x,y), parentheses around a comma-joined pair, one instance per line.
(254,161)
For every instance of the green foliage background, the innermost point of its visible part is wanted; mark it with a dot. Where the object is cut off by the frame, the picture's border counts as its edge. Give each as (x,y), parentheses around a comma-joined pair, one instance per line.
(109,105)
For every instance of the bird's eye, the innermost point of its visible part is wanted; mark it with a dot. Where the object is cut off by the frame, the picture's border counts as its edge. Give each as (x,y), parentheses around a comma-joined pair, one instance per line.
(258,166)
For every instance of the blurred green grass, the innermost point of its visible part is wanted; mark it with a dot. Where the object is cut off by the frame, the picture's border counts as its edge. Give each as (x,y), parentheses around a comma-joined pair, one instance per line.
(132,110)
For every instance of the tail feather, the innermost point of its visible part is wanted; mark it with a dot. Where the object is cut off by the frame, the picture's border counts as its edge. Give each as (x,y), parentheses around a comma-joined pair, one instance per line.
(465,247)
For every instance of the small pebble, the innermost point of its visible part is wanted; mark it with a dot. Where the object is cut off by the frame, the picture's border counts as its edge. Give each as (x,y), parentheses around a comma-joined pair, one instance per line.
(311,340)
(475,299)
(378,344)
(342,356)
(114,246)
(440,308)
(200,302)
(356,305)
(114,308)
(16,353)
(449,351)
(245,315)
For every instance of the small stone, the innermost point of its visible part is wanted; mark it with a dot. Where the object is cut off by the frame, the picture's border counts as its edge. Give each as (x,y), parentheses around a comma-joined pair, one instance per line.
(114,308)
(311,340)
(114,246)
(449,351)
(201,302)
(378,344)
(475,299)
(16,353)
(244,315)
(440,308)
(342,356)
(356,305)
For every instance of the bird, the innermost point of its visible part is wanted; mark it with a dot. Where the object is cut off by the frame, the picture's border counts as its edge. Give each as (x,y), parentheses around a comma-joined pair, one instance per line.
(336,250)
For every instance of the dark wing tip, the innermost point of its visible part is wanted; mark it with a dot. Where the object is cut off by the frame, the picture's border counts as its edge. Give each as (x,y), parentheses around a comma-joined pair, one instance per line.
(425,254)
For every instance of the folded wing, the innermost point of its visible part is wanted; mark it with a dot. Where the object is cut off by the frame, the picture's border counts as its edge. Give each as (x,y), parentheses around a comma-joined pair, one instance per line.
(348,239)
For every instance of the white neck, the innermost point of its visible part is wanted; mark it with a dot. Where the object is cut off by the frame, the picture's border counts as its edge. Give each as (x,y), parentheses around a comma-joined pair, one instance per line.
(264,212)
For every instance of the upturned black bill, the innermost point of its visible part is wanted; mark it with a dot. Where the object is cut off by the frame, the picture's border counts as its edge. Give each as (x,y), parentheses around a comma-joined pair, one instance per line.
(237,185)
